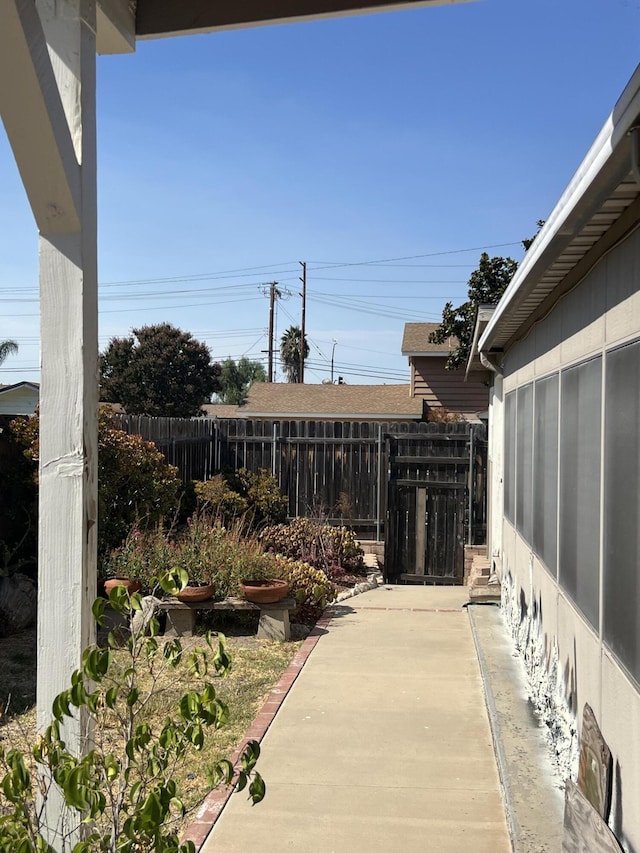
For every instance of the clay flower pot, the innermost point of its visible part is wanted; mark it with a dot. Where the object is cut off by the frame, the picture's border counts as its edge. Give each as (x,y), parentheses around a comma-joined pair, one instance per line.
(264,591)
(193,594)
(129,585)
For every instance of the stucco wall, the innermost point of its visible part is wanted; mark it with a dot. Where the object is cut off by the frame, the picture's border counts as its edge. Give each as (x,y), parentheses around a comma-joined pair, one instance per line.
(567,653)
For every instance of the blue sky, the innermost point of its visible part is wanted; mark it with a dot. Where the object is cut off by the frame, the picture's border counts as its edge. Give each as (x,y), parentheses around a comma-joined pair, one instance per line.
(387,151)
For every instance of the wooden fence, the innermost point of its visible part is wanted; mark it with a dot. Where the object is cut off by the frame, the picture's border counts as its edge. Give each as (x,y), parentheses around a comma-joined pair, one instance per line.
(337,469)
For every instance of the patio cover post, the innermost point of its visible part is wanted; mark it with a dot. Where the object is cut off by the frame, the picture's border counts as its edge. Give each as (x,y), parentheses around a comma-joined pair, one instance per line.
(48,107)
(69,387)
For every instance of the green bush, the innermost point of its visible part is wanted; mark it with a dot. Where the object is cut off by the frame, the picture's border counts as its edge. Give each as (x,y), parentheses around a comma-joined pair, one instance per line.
(18,507)
(136,486)
(122,790)
(332,549)
(217,497)
(310,587)
(266,503)
(205,549)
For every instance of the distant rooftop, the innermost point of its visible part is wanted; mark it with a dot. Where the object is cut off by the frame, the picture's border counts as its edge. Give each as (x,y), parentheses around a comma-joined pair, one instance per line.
(361,402)
(415,340)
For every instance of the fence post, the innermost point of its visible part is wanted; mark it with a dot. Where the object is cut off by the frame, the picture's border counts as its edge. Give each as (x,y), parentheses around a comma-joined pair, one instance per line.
(274,450)
(471,479)
(379,495)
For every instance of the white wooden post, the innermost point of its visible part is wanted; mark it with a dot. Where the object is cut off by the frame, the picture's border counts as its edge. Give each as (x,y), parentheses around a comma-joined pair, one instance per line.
(68,390)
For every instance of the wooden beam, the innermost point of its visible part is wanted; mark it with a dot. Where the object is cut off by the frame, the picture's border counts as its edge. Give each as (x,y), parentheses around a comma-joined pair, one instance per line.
(68,392)
(116,27)
(155,18)
(35,121)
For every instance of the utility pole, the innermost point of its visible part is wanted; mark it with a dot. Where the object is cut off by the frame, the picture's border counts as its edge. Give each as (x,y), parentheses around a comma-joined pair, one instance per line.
(303,279)
(272,303)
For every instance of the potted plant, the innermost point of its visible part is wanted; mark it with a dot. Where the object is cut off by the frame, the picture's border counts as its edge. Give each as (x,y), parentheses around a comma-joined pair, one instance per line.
(261,587)
(136,563)
(264,590)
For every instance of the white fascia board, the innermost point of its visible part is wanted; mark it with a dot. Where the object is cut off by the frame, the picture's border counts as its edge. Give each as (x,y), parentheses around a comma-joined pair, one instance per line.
(35,120)
(571,210)
(115,27)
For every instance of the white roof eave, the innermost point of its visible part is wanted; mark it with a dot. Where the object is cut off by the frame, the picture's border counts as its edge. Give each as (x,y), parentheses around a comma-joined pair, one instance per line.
(603,167)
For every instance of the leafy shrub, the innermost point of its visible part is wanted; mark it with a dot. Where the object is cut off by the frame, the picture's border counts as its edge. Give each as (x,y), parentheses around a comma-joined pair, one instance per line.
(144,556)
(136,486)
(206,550)
(310,587)
(332,549)
(18,508)
(216,496)
(266,503)
(123,789)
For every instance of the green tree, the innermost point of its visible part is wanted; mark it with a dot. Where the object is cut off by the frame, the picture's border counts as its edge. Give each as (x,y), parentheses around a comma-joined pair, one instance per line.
(7,348)
(290,352)
(486,286)
(527,243)
(236,377)
(159,371)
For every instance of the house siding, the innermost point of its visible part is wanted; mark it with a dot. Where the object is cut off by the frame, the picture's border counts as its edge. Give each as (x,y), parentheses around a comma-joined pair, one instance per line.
(581,605)
(19,401)
(439,387)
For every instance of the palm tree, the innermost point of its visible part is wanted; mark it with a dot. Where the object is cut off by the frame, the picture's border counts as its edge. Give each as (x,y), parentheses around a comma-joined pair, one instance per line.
(290,352)
(7,348)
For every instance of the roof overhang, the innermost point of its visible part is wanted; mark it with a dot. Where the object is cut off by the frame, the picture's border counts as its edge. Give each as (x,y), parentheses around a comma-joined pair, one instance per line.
(598,208)
(122,22)
(5,389)
(475,369)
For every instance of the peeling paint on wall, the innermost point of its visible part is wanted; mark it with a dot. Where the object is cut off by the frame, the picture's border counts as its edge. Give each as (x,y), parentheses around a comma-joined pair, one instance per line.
(546,689)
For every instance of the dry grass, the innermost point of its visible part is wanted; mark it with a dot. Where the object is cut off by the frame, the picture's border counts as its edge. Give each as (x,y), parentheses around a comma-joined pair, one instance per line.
(256,667)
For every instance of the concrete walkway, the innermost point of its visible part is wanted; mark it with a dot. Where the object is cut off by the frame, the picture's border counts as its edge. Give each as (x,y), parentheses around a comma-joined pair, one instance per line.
(382,743)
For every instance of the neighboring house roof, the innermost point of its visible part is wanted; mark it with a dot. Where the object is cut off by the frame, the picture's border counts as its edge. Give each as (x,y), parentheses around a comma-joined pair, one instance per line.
(19,399)
(594,212)
(415,340)
(220,410)
(4,389)
(357,402)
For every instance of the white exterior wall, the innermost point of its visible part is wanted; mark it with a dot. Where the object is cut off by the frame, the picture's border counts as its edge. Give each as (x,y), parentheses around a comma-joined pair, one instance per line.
(495,468)
(568,659)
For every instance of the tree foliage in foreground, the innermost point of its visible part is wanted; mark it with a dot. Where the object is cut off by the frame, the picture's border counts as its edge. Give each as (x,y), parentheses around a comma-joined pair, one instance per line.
(159,371)
(122,790)
(236,377)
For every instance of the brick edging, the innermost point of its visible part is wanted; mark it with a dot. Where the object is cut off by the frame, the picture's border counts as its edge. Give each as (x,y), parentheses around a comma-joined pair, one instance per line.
(215,801)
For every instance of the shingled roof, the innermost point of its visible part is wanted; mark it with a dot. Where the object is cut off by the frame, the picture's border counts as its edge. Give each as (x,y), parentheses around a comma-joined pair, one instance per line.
(415,340)
(359,402)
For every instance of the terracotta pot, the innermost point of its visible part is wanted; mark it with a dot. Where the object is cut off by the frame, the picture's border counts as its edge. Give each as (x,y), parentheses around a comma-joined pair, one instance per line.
(264,591)
(129,585)
(191,594)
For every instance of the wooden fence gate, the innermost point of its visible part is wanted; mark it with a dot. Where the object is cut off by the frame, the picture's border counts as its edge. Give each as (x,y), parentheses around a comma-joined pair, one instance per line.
(435,502)
(420,486)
